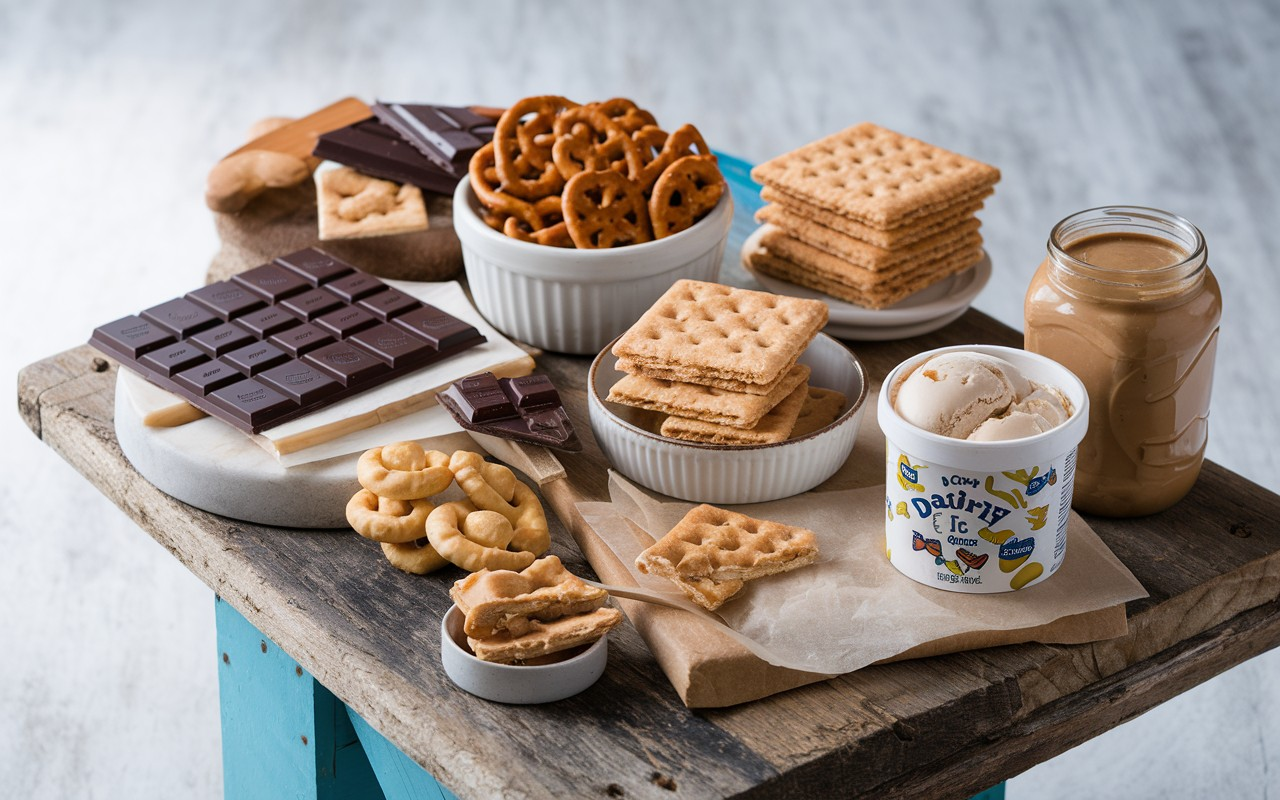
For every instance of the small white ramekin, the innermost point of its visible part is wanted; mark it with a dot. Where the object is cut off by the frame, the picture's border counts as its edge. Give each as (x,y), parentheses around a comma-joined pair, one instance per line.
(575,301)
(729,474)
(510,683)
(1004,504)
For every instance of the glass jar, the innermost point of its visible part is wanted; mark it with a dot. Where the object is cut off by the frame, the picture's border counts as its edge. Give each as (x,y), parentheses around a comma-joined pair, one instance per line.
(1126,301)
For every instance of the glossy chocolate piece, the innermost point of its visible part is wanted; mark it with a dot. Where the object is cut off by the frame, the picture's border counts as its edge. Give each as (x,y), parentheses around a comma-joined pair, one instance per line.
(376,149)
(283,340)
(447,136)
(526,409)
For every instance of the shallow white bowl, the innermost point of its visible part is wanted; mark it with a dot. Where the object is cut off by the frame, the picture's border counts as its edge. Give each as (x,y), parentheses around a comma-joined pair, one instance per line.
(729,474)
(575,301)
(518,685)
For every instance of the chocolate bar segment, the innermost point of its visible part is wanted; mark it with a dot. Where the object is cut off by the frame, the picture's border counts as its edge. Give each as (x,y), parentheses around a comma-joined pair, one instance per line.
(376,149)
(447,136)
(526,409)
(256,363)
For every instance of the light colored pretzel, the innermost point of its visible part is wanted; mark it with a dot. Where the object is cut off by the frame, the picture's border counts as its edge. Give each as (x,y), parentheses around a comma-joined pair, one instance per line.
(605,209)
(556,235)
(687,190)
(385,520)
(587,140)
(404,471)
(417,557)
(493,487)
(629,116)
(445,532)
(684,141)
(523,147)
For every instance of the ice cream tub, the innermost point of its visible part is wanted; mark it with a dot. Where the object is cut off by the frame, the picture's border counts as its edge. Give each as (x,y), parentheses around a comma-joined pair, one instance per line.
(987,514)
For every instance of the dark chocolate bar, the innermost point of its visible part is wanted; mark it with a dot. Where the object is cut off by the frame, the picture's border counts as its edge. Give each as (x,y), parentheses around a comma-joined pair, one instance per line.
(527,409)
(447,136)
(376,149)
(283,340)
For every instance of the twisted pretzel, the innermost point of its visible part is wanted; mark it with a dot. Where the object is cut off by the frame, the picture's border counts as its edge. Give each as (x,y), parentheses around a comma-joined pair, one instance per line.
(451,536)
(587,140)
(523,147)
(500,205)
(605,209)
(493,487)
(417,557)
(689,188)
(385,520)
(685,141)
(556,235)
(629,116)
(404,471)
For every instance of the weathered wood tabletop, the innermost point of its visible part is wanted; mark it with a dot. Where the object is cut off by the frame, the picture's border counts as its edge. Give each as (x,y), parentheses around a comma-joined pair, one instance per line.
(944,726)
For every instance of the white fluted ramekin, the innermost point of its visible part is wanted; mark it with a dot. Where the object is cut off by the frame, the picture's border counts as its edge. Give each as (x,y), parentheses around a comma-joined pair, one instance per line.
(523,684)
(729,474)
(575,301)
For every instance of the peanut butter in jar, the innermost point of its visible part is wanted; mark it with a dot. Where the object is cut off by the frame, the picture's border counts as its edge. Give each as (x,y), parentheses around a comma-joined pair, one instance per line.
(1126,301)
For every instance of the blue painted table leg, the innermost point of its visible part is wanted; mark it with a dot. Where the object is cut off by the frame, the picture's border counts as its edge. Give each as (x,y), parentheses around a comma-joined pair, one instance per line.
(994,793)
(283,734)
(286,736)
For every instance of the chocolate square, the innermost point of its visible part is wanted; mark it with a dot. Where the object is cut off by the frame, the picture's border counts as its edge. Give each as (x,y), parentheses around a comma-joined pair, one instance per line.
(388,304)
(396,346)
(208,376)
(299,381)
(222,339)
(251,402)
(131,336)
(299,340)
(181,316)
(346,362)
(254,358)
(316,266)
(267,321)
(272,281)
(226,299)
(312,304)
(355,286)
(173,358)
(440,329)
(346,321)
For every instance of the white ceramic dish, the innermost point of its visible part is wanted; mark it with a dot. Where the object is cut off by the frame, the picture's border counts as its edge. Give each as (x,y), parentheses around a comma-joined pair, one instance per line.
(729,474)
(575,301)
(519,685)
(922,312)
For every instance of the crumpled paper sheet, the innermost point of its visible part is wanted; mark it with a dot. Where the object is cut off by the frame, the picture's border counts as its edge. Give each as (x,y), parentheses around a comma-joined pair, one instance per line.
(852,608)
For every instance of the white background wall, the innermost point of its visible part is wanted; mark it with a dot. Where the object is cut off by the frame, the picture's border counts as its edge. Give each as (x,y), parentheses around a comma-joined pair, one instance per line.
(111,114)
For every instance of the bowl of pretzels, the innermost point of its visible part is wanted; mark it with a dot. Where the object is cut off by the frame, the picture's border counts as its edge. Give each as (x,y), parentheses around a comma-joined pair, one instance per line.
(576,218)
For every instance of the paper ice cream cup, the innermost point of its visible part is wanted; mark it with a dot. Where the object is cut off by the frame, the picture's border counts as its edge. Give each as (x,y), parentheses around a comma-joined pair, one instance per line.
(980,517)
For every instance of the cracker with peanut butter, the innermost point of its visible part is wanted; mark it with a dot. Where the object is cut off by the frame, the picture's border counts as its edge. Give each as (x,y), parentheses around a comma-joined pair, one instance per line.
(352,205)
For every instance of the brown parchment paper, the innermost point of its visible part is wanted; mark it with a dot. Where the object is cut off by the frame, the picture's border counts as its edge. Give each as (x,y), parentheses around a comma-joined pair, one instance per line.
(850,609)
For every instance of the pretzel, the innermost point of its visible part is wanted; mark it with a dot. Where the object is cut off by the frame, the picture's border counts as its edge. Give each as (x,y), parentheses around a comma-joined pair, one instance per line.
(687,189)
(523,147)
(556,235)
(628,116)
(485,184)
(417,557)
(404,471)
(493,487)
(605,209)
(385,520)
(450,541)
(679,144)
(587,140)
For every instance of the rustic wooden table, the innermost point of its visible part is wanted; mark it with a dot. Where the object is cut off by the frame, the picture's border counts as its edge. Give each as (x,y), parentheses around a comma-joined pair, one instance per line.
(945,726)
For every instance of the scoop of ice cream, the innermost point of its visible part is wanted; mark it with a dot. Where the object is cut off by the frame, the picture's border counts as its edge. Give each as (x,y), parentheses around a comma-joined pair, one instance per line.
(978,397)
(1014,425)
(952,394)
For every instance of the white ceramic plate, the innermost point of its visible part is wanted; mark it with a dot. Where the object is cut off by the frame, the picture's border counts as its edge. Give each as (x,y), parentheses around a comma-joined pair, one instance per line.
(922,312)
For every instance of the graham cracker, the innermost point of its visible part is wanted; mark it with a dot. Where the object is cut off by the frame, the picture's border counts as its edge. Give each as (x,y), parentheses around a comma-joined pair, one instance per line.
(698,331)
(780,245)
(881,296)
(503,600)
(720,546)
(774,426)
(813,224)
(879,177)
(708,593)
(866,256)
(678,375)
(544,638)
(707,403)
(352,205)
(820,409)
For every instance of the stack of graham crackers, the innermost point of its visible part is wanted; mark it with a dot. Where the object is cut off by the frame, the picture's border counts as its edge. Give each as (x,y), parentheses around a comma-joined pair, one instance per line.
(721,364)
(870,216)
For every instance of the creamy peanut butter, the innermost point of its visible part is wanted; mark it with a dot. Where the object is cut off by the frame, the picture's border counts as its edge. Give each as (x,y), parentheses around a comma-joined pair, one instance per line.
(1126,301)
